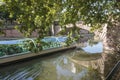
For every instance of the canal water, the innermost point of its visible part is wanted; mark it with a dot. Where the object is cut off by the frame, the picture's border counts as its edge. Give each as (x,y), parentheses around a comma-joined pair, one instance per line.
(77,64)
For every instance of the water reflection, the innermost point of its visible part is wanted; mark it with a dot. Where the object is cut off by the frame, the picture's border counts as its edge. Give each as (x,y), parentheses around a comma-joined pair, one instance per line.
(97,48)
(54,67)
(20,72)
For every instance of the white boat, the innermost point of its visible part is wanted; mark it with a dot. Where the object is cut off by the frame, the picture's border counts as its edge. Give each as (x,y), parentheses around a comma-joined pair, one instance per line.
(11,46)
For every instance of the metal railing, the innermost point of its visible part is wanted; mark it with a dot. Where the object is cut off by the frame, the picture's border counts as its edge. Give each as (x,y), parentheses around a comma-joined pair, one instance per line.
(113,71)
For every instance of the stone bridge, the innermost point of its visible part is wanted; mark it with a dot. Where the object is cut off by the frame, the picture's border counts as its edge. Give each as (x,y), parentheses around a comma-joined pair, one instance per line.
(85,29)
(98,33)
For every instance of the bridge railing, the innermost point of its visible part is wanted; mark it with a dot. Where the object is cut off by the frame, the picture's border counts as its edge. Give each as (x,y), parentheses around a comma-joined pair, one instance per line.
(113,71)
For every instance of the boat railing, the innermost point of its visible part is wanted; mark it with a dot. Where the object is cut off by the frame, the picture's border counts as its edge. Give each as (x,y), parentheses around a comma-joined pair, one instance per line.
(23,45)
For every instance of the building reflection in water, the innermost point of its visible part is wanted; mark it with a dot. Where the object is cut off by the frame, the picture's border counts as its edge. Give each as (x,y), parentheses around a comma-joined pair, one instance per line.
(69,70)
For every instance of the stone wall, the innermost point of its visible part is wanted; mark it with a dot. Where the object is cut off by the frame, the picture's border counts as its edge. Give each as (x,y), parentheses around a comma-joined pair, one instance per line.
(112,38)
(12,33)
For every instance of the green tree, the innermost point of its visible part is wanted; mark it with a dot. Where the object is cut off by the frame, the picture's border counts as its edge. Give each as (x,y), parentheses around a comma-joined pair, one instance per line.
(40,14)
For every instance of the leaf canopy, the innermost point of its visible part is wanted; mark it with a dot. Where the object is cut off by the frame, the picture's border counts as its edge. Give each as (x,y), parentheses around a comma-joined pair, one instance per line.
(40,14)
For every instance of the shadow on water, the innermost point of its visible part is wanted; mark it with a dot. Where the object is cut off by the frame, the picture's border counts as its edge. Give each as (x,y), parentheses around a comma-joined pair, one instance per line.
(69,65)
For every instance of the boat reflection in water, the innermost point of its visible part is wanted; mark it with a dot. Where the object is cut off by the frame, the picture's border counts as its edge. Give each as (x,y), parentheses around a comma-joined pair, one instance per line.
(70,65)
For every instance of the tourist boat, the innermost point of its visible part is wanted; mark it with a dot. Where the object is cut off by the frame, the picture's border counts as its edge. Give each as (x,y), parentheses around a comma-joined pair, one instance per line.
(15,50)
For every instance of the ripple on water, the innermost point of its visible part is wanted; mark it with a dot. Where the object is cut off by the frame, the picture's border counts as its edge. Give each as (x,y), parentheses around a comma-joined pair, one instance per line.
(54,67)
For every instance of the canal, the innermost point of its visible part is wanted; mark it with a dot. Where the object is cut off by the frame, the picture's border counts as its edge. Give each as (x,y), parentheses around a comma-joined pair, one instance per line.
(77,64)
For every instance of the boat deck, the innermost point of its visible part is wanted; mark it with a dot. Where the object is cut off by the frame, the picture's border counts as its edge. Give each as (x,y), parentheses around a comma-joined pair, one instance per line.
(6,60)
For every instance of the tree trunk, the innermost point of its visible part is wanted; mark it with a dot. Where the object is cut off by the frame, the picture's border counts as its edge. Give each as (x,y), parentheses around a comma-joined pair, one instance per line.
(111,44)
